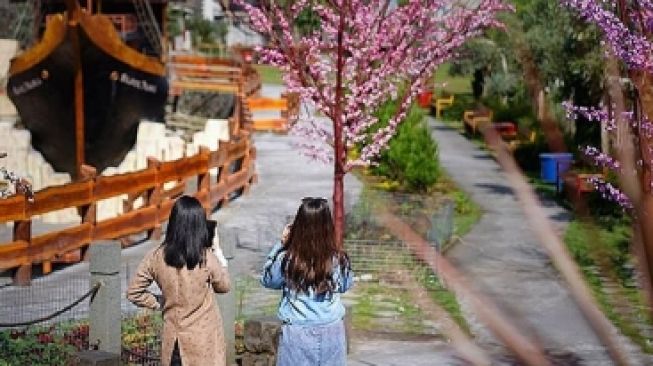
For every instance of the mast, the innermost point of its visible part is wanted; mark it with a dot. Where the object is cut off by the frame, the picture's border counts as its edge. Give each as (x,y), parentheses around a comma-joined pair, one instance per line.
(74,14)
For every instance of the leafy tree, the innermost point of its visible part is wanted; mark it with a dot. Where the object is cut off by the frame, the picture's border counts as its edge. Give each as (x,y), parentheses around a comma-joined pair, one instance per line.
(206,31)
(362,52)
(626,28)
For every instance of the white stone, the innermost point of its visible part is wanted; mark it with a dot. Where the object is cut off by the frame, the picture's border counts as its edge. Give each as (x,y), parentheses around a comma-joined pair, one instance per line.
(202,139)
(217,129)
(129,164)
(8,49)
(110,171)
(191,149)
(21,139)
(176,148)
(46,172)
(148,131)
(7,109)
(169,185)
(107,208)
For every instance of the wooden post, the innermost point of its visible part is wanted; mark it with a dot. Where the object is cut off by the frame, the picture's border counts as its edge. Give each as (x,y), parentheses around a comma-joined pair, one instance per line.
(88,213)
(247,162)
(204,180)
(74,14)
(153,198)
(23,231)
(224,172)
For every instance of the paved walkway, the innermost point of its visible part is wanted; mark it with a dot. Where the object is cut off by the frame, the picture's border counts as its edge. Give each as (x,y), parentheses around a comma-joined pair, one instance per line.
(504,260)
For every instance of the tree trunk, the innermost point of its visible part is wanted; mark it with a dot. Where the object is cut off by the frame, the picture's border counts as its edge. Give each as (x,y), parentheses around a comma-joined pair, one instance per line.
(339,201)
(339,157)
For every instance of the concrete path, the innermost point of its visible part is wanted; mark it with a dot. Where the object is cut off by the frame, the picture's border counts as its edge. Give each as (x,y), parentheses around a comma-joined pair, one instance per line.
(504,260)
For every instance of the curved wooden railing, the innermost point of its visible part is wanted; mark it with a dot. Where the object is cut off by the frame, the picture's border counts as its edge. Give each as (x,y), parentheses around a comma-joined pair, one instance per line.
(233,160)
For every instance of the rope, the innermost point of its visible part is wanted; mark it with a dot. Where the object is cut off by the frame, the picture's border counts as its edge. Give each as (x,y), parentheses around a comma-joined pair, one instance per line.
(90,292)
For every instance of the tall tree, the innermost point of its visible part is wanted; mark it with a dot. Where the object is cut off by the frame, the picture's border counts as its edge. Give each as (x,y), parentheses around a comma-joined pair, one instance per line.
(362,52)
(627,30)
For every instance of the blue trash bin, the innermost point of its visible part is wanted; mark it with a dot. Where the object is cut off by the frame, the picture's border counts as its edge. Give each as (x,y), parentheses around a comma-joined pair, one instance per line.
(554,164)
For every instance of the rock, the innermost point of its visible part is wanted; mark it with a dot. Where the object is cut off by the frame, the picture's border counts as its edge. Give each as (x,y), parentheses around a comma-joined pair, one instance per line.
(253,359)
(262,334)
(217,129)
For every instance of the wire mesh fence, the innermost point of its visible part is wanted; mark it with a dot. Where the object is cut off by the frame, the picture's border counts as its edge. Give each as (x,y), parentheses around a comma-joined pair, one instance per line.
(388,281)
(140,328)
(388,276)
(44,324)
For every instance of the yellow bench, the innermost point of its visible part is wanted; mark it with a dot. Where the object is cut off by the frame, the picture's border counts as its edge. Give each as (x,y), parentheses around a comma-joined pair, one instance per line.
(441,103)
(514,144)
(473,120)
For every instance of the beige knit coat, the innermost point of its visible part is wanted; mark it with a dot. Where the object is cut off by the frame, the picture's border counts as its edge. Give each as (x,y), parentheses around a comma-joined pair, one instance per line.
(190,314)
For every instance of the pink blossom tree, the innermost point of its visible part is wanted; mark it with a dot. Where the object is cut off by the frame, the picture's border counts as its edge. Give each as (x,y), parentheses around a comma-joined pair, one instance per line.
(360,54)
(627,28)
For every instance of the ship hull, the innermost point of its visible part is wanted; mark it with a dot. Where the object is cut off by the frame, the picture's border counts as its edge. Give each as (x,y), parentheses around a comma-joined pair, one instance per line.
(120,88)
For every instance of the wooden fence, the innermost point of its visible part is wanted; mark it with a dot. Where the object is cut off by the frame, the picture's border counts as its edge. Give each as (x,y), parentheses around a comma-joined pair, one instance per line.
(287,105)
(234,162)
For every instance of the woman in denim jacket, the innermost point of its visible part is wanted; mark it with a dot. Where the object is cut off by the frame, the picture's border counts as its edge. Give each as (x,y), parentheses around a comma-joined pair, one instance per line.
(312,271)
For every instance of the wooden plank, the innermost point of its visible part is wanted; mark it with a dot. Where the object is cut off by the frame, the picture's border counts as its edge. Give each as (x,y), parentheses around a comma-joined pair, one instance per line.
(274,124)
(218,158)
(175,191)
(164,209)
(237,151)
(206,73)
(238,180)
(182,168)
(202,86)
(13,254)
(60,197)
(129,223)
(115,185)
(266,104)
(207,80)
(203,60)
(204,198)
(219,191)
(46,247)
(12,208)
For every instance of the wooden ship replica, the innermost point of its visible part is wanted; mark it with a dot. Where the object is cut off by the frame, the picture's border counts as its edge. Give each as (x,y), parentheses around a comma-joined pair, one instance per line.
(97,71)
(82,90)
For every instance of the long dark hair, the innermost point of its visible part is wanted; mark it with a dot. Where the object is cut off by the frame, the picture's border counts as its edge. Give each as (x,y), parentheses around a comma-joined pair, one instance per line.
(187,234)
(311,249)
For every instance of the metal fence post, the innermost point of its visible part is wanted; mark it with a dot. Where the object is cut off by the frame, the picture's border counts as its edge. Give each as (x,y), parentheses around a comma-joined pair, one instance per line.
(105,314)
(227,303)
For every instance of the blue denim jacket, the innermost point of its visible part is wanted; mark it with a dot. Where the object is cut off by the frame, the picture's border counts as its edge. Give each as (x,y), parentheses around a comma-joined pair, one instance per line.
(305,308)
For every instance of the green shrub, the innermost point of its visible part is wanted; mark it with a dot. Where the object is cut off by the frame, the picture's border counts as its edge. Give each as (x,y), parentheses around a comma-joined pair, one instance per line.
(528,155)
(461,103)
(515,110)
(35,347)
(411,157)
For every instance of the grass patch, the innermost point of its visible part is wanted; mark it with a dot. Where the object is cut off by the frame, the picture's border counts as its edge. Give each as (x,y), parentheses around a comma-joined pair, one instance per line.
(602,248)
(455,84)
(269,74)
(467,213)
(382,308)
(387,255)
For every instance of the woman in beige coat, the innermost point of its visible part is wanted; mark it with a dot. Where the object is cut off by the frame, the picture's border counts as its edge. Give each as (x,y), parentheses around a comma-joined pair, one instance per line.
(188,274)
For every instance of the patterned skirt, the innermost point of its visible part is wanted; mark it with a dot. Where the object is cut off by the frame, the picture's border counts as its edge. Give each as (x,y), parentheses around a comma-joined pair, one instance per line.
(312,345)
